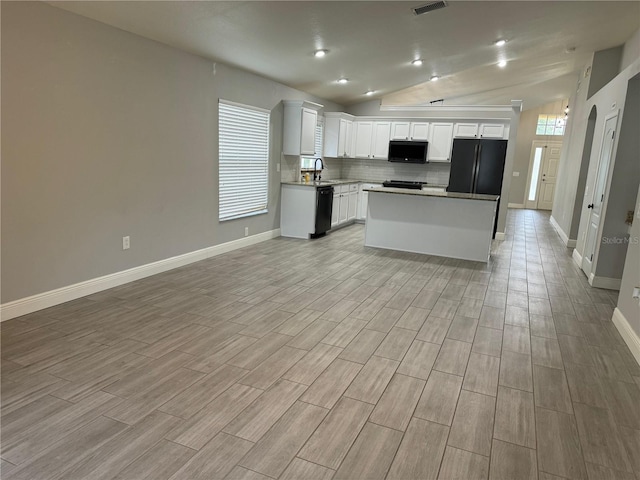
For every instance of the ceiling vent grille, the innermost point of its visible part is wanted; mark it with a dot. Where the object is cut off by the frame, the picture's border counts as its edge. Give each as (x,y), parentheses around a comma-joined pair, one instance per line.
(429,7)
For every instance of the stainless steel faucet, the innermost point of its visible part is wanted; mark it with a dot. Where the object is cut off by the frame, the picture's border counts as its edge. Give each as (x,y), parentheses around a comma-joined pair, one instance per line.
(316,175)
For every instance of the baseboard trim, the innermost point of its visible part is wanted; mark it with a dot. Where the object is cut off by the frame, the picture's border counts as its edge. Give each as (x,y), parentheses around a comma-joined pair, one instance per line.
(500,236)
(630,337)
(569,242)
(516,205)
(577,257)
(605,282)
(51,298)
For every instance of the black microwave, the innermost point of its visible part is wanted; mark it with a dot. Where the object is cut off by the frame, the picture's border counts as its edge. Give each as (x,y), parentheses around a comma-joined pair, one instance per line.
(403,151)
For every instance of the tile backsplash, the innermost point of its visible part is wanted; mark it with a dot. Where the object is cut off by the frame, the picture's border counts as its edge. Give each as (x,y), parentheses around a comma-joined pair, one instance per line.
(370,170)
(380,170)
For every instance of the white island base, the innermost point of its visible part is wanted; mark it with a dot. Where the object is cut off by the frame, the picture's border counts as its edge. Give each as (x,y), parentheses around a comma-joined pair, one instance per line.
(434,224)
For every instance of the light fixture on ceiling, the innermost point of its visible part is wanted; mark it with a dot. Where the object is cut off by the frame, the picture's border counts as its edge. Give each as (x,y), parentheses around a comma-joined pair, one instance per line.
(417,62)
(434,78)
(369,92)
(320,53)
(502,63)
(343,80)
(500,43)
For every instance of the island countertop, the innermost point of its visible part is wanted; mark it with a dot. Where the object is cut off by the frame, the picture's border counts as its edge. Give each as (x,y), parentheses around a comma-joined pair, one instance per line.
(424,193)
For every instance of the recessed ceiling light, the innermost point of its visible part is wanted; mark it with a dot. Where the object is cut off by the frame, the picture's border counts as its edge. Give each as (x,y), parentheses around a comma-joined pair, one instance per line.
(320,53)
(417,62)
(343,80)
(434,78)
(502,63)
(369,92)
(499,43)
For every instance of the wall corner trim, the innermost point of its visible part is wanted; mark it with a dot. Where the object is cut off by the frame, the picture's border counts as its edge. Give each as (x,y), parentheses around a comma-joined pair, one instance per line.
(605,282)
(569,242)
(500,236)
(48,299)
(630,337)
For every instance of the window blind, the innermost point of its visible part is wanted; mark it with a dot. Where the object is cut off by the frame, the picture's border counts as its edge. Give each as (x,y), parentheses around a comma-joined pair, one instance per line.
(243,151)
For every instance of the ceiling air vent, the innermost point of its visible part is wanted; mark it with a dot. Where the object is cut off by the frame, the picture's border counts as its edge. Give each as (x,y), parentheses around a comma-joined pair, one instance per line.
(429,7)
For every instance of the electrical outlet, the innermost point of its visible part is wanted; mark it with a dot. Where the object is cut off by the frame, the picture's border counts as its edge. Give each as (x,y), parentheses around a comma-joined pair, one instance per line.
(277,167)
(629,219)
(516,174)
(126,243)
(246,231)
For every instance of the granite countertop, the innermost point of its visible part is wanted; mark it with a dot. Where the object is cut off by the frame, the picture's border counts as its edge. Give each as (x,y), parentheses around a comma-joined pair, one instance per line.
(406,191)
(343,181)
(323,183)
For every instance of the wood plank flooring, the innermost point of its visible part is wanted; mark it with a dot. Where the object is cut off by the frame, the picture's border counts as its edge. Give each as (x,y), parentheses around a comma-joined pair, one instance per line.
(327,360)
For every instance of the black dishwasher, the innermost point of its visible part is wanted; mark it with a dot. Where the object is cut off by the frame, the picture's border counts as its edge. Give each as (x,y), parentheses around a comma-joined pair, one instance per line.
(324,206)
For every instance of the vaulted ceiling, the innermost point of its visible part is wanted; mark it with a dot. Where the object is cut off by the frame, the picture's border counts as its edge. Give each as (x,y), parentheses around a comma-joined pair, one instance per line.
(372,43)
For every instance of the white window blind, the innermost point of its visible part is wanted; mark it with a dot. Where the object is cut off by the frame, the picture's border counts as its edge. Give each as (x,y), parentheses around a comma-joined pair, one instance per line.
(243,135)
(307,162)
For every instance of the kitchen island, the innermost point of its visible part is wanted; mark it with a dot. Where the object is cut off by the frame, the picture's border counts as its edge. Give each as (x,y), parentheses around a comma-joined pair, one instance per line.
(447,224)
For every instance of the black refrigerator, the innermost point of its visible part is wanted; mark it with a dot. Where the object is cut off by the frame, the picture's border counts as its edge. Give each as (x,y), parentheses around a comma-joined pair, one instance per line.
(477,166)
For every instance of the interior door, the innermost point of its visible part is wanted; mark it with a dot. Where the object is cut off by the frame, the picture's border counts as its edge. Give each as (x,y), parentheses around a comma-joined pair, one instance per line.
(491,155)
(547,186)
(599,192)
(463,157)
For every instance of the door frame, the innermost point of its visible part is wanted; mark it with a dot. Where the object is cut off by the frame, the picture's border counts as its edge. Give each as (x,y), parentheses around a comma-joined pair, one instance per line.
(605,195)
(537,143)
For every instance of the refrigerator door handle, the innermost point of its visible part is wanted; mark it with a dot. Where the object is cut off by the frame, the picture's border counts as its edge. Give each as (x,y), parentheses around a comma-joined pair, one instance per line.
(474,170)
(476,167)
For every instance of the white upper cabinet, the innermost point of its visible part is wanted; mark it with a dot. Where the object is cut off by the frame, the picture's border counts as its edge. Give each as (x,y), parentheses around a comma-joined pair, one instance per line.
(300,119)
(440,142)
(400,130)
(308,135)
(338,133)
(380,140)
(468,130)
(483,130)
(364,133)
(419,131)
(491,130)
(372,139)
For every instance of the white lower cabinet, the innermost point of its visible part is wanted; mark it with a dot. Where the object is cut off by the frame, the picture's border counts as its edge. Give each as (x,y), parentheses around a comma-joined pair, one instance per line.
(335,209)
(363,200)
(345,204)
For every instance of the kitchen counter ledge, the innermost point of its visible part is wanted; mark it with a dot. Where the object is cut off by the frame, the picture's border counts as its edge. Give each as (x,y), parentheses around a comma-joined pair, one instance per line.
(423,193)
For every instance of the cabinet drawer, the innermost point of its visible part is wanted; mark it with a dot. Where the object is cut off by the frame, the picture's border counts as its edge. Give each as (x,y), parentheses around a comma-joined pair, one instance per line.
(342,188)
(353,187)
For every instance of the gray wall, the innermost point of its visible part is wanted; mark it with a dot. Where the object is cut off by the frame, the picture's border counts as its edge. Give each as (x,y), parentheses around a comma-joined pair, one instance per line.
(372,108)
(625,179)
(630,51)
(526,137)
(631,277)
(107,134)
(620,193)
(605,66)
(565,201)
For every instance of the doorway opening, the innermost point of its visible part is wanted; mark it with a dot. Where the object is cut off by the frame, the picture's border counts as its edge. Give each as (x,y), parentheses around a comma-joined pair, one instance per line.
(541,184)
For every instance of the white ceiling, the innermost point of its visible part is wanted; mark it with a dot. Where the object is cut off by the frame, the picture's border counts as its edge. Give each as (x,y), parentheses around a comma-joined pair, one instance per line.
(373,42)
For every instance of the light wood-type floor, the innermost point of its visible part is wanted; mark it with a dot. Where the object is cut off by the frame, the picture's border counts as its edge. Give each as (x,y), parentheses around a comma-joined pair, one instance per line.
(324,359)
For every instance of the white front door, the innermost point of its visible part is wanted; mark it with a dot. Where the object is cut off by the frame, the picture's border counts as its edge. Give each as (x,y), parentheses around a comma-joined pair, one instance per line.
(545,158)
(547,187)
(599,192)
